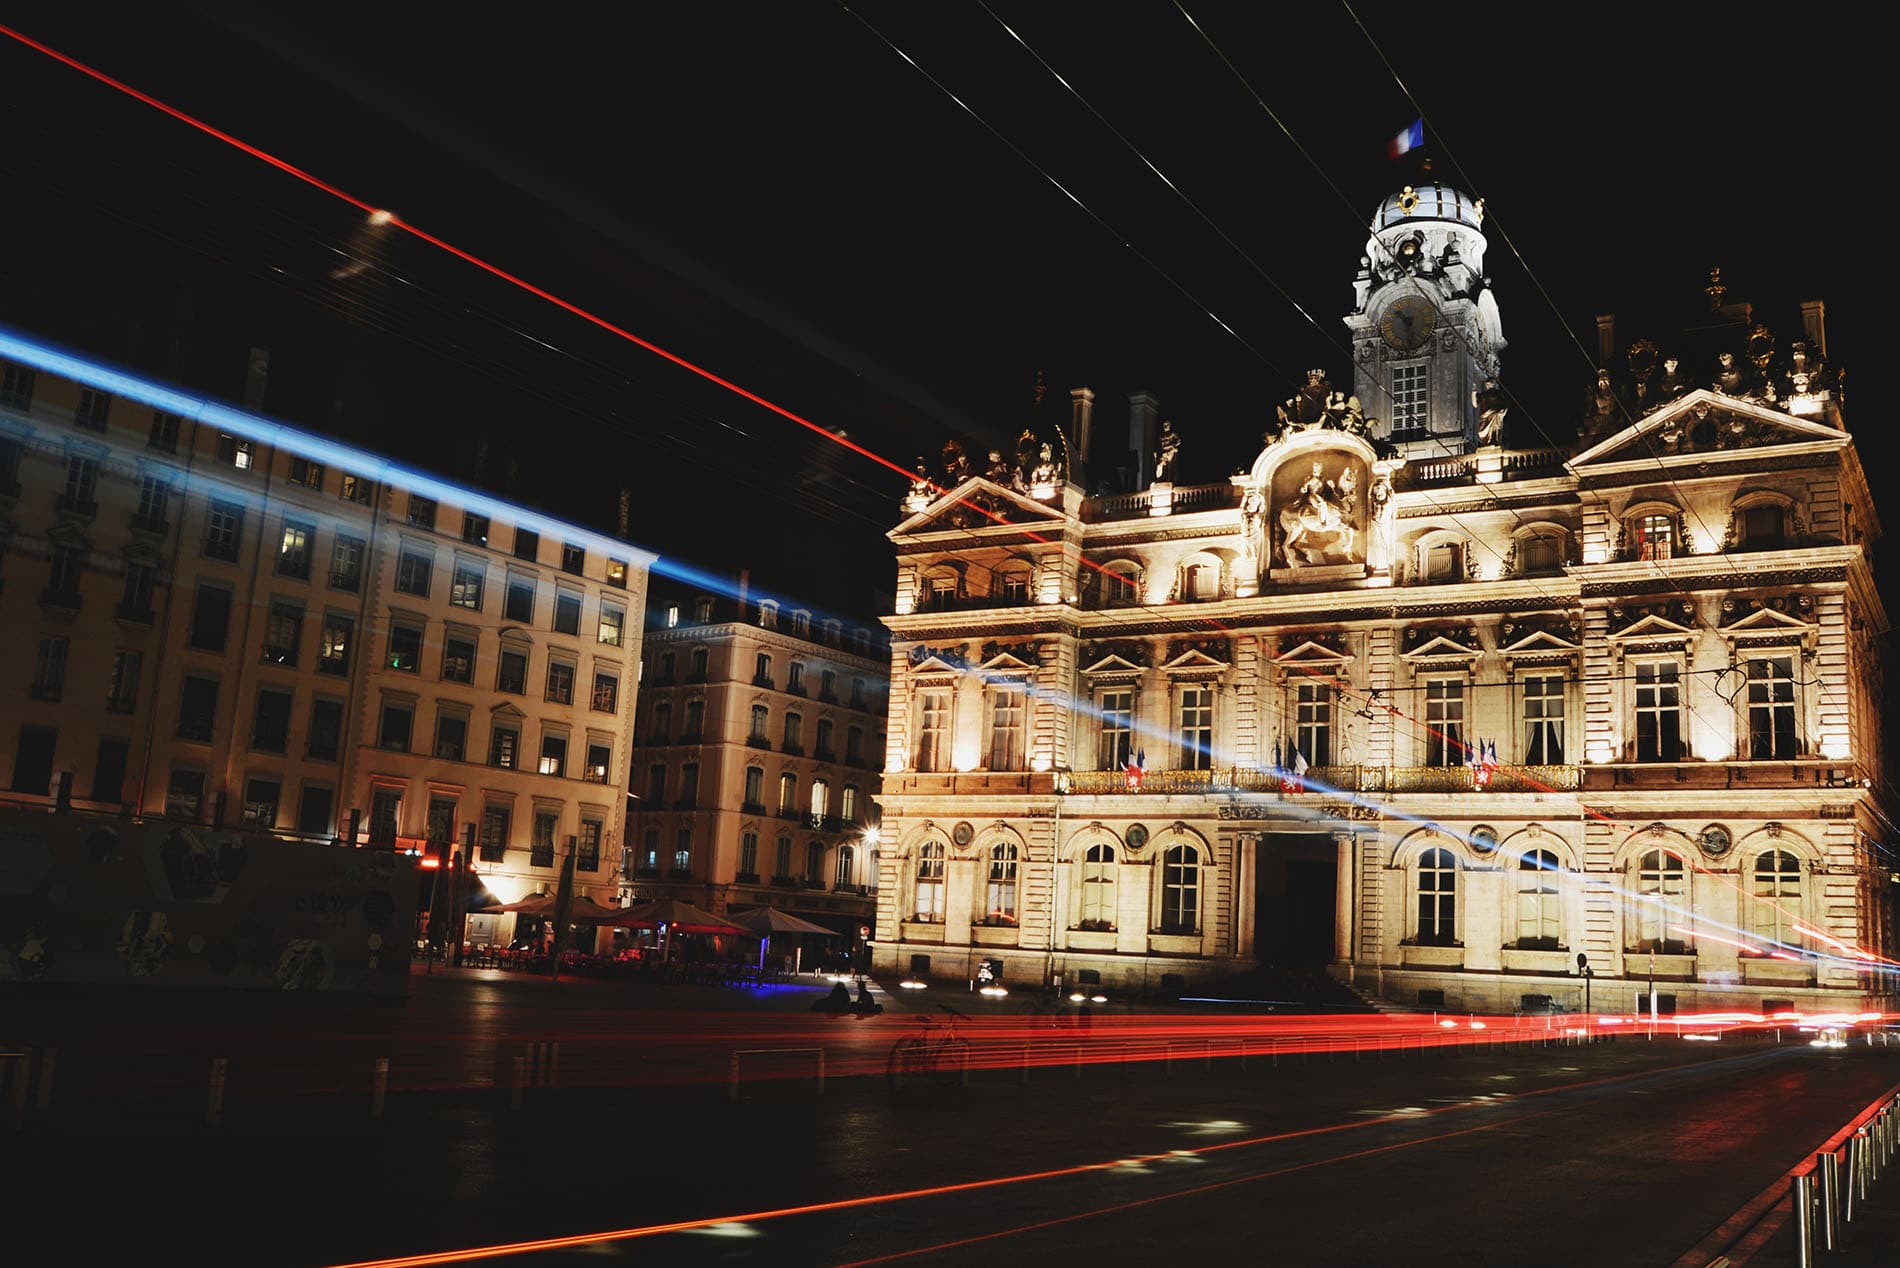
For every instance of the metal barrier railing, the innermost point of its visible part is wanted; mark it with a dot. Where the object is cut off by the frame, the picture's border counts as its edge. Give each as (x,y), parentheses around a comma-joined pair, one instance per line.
(1827,1190)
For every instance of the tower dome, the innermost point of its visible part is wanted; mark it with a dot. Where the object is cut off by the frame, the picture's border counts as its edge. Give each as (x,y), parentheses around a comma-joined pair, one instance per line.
(1417,204)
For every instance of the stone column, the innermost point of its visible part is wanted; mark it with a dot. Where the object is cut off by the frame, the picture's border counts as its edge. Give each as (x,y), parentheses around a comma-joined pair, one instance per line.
(1343,908)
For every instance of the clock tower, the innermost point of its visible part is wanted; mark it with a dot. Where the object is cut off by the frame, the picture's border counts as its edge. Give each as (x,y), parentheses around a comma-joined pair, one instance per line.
(1425,328)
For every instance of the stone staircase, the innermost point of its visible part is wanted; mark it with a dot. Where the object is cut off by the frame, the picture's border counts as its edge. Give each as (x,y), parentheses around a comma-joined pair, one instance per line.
(1376,1003)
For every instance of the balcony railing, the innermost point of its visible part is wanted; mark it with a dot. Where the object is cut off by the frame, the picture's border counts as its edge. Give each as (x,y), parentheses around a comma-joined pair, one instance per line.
(758,741)
(1808,773)
(52,598)
(1189,498)
(752,807)
(1323,779)
(157,526)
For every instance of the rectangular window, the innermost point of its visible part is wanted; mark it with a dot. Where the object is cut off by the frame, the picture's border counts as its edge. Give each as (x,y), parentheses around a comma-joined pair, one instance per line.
(1197,728)
(49,669)
(511,673)
(164,436)
(600,758)
(613,619)
(155,500)
(62,578)
(333,646)
(573,559)
(82,484)
(465,585)
(283,631)
(197,708)
(587,847)
(683,849)
(1444,721)
(136,603)
(560,682)
(413,571)
(33,761)
(1658,711)
(325,737)
(185,794)
(16,387)
(1771,716)
(458,658)
(821,741)
(233,452)
(762,671)
(405,648)
(504,748)
(656,785)
(108,773)
(313,810)
(346,563)
(519,605)
(527,544)
(421,512)
(606,698)
(933,730)
(385,816)
(694,723)
(617,573)
(1116,744)
(224,530)
(261,797)
(541,839)
(306,474)
(567,612)
(553,754)
(474,528)
(749,854)
(1006,728)
(689,785)
(795,678)
(794,734)
(451,736)
(122,691)
(270,724)
(1313,722)
(1411,396)
(355,489)
(93,408)
(1655,537)
(398,721)
(754,790)
(1543,719)
(210,618)
(854,746)
(494,835)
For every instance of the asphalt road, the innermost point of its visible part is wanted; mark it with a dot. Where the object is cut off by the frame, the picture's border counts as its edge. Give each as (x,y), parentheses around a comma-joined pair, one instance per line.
(1330,1152)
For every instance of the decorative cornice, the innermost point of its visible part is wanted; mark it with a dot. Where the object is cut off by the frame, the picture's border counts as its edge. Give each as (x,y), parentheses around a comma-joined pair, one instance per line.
(1714,581)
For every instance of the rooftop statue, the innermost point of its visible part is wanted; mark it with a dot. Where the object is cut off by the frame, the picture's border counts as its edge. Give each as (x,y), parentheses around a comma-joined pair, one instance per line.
(1169,446)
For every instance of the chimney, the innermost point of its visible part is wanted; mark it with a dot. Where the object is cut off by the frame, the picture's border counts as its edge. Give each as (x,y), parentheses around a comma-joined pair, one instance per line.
(1814,322)
(620,517)
(745,588)
(1606,339)
(256,378)
(1081,409)
(1142,409)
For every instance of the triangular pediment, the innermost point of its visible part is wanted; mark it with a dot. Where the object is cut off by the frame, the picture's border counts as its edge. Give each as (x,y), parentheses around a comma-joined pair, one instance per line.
(67,533)
(1007,662)
(1441,648)
(1736,425)
(1767,622)
(1194,658)
(1311,653)
(143,553)
(977,503)
(1113,664)
(1653,626)
(935,665)
(1540,641)
(506,712)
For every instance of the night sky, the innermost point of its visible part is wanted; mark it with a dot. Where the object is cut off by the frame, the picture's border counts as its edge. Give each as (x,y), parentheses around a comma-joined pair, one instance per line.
(772,191)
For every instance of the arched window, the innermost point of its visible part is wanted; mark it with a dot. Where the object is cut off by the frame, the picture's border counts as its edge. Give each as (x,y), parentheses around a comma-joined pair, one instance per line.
(1437,899)
(999,896)
(1180,890)
(1653,536)
(788,793)
(1777,896)
(1763,526)
(1200,579)
(1013,584)
(820,798)
(940,590)
(930,882)
(848,803)
(1121,585)
(1539,553)
(782,860)
(761,719)
(1539,909)
(847,867)
(1658,912)
(815,863)
(662,732)
(1096,903)
(1442,561)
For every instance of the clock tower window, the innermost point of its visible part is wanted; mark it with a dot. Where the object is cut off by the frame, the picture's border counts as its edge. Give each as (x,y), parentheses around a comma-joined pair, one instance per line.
(1410,397)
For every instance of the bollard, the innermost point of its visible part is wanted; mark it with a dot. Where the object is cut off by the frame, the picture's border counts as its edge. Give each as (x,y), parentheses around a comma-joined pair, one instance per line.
(1801,1202)
(1847,1189)
(214,1099)
(1830,1199)
(1864,1155)
(43,1097)
(379,1087)
(521,1079)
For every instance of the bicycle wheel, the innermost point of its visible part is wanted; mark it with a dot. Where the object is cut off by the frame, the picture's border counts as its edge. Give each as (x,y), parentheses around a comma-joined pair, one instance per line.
(950,1059)
(907,1060)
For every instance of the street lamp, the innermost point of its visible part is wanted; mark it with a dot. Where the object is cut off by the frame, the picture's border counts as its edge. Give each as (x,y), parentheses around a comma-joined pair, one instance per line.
(1583,967)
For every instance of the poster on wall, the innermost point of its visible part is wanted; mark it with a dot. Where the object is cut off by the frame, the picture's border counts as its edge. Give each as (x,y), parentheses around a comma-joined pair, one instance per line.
(101,900)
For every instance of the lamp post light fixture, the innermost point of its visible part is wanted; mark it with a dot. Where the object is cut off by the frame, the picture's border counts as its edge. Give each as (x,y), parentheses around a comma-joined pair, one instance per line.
(1583,967)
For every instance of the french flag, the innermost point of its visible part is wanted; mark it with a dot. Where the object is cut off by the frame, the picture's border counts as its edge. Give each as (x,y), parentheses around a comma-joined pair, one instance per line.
(1407,141)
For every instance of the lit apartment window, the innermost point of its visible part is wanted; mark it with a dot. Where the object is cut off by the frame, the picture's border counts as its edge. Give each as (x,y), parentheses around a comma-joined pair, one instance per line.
(233,452)
(283,632)
(504,748)
(465,585)
(355,489)
(306,474)
(1543,696)
(599,762)
(933,730)
(613,619)
(553,754)
(333,644)
(606,698)
(617,573)
(293,550)
(1313,721)
(1444,721)
(1655,536)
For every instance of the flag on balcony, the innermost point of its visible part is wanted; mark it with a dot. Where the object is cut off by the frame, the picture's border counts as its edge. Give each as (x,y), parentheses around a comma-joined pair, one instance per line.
(1483,760)
(1136,765)
(1296,781)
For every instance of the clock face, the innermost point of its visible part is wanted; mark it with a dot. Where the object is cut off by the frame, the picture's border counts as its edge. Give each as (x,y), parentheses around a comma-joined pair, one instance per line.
(1408,323)
(1715,840)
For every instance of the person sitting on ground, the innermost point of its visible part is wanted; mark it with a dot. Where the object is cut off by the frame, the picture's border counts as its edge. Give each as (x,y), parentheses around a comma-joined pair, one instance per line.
(839,1001)
(867,1006)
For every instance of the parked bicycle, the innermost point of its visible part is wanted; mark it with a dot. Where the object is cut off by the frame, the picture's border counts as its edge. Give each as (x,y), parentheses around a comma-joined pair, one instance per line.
(935,1053)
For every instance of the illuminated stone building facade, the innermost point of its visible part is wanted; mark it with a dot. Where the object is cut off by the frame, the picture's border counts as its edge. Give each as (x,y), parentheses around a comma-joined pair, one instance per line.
(214,618)
(756,762)
(1446,709)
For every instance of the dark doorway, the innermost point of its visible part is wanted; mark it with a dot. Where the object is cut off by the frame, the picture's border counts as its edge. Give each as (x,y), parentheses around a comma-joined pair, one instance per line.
(33,761)
(1295,885)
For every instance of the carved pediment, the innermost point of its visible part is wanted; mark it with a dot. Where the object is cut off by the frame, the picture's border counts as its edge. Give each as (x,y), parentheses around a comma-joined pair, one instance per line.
(1198,653)
(1704,422)
(975,504)
(506,712)
(1441,643)
(1009,657)
(1523,638)
(143,553)
(1318,650)
(946,660)
(1114,656)
(1662,622)
(1777,619)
